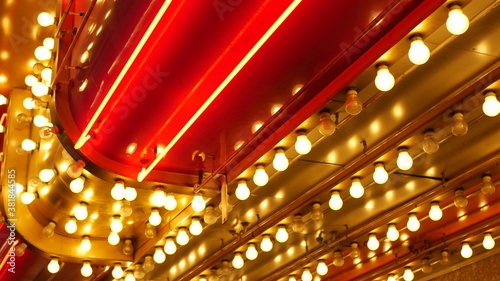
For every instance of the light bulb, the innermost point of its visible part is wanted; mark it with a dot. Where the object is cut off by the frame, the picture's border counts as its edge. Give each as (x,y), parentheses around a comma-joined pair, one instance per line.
(42,53)
(266,244)
(195,227)
(53,266)
(457,22)
(49,43)
(242,192)
(353,104)
(129,276)
(118,190)
(321,268)
(282,234)
(130,193)
(356,190)
(251,252)
(460,200)
(488,241)
(45,19)
(27,197)
(491,105)
(86,270)
(430,144)
(198,204)
(39,89)
(384,80)
(155,217)
(316,212)
(419,53)
(238,261)
(373,244)
(159,255)
(29,80)
(40,120)
(116,224)
(46,74)
(128,248)
(71,225)
(170,247)
(302,144)
(488,187)
(260,178)
(459,127)
(380,175)
(280,162)
(170,202)
(466,250)
(158,197)
(48,230)
(150,231)
(117,272)
(335,203)
(413,223)
(139,272)
(76,185)
(391,277)
(85,244)
(445,257)
(306,274)
(298,224)
(354,253)
(392,232)
(338,260)
(76,169)
(404,161)
(426,266)
(81,212)
(326,125)
(182,237)
(435,212)
(28,145)
(113,238)
(211,215)
(148,264)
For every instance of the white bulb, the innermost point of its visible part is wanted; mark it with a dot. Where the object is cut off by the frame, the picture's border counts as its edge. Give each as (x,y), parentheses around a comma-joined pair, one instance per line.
(419,53)
(30,80)
(53,266)
(392,232)
(195,227)
(335,203)
(81,212)
(170,247)
(28,145)
(282,234)
(86,270)
(40,121)
(211,215)
(391,277)
(45,19)
(280,162)
(302,144)
(76,185)
(39,89)
(129,276)
(198,204)
(266,244)
(42,53)
(113,238)
(356,190)
(408,274)
(85,244)
(238,261)
(27,197)
(170,202)
(159,256)
(491,105)
(118,191)
(158,197)
(466,250)
(413,223)
(404,161)
(306,275)
(242,192)
(130,193)
(488,241)
(260,178)
(116,224)
(182,237)
(322,268)
(71,226)
(117,272)
(457,22)
(380,175)
(373,244)
(435,212)
(251,252)
(49,43)
(155,217)
(46,74)
(384,80)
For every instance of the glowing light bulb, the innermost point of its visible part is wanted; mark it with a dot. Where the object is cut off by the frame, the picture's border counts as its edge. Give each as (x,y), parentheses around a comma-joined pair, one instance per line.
(86,270)
(130,193)
(198,204)
(384,80)
(488,187)
(280,162)
(435,212)
(321,268)
(266,244)
(39,89)
(251,252)
(116,224)
(182,237)
(356,190)
(195,227)
(413,223)
(238,261)
(71,225)
(466,250)
(260,178)
(118,190)
(460,200)
(46,74)
(42,53)
(113,238)
(408,274)
(129,276)
(306,274)
(404,161)
(28,145)
(27,197)
(488,241)
(155,217)
(459,127)
(335,203)
(419,53)
(391,277)
(117,272)
(48,230)
(326,125)
(53,266)
(282,234)
(353,104)
(338,260)
(457,22)
(430,144)
(354,253)
(170,202)
(40,121)
(491,105)
(302,144)
(159,256)
(30,80)
(158,198)
(76,185)
(211,215)
(45,19)
(380,175)
(85,244)
(392,232)
(242,192)
(49,43)
(316,212)
(170,247)
(373,244)
(81,212)
(298,224)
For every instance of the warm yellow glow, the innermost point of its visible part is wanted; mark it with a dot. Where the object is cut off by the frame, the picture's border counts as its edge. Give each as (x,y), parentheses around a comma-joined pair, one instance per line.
(256,126)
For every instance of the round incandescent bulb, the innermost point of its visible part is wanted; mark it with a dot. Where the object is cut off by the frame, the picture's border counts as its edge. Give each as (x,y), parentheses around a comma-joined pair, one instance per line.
(71,226)
(117,272)
(298,224)
(118,191)
(306,275)
(85,244)
(404,161)
(158,197)
(354,253)
(335,203)
(266,244)
(42,53)
(251,252)
(321,268)
(282,234)
(45,19)
(260,178)
(356,190)
(81,211)
(380,175)
(460,199)
(353,104)
(488,187)
(488,241)
(159,255)
(430,144)
(48,230)
(242,192)
(39,89)
(238,261)
(302,144)
(419,53)
(170,247)
(30,80)
(154,217)
(457,22)
(198,204)
(170,202)
(413,223)
(195,227)
(392,232)
(316,212)
(491,105)
(28,145)
(326,125)
(384,80)
(76,185)
(86,270)
(280,162)
(49,43)
(338,260)
(435,212)
(182,237)
(426,266)
(27,197)
(211,215)
(459,127)
(373,244)
(46,74)
(466,250)
(53,266)
(113,238)
(130,193)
